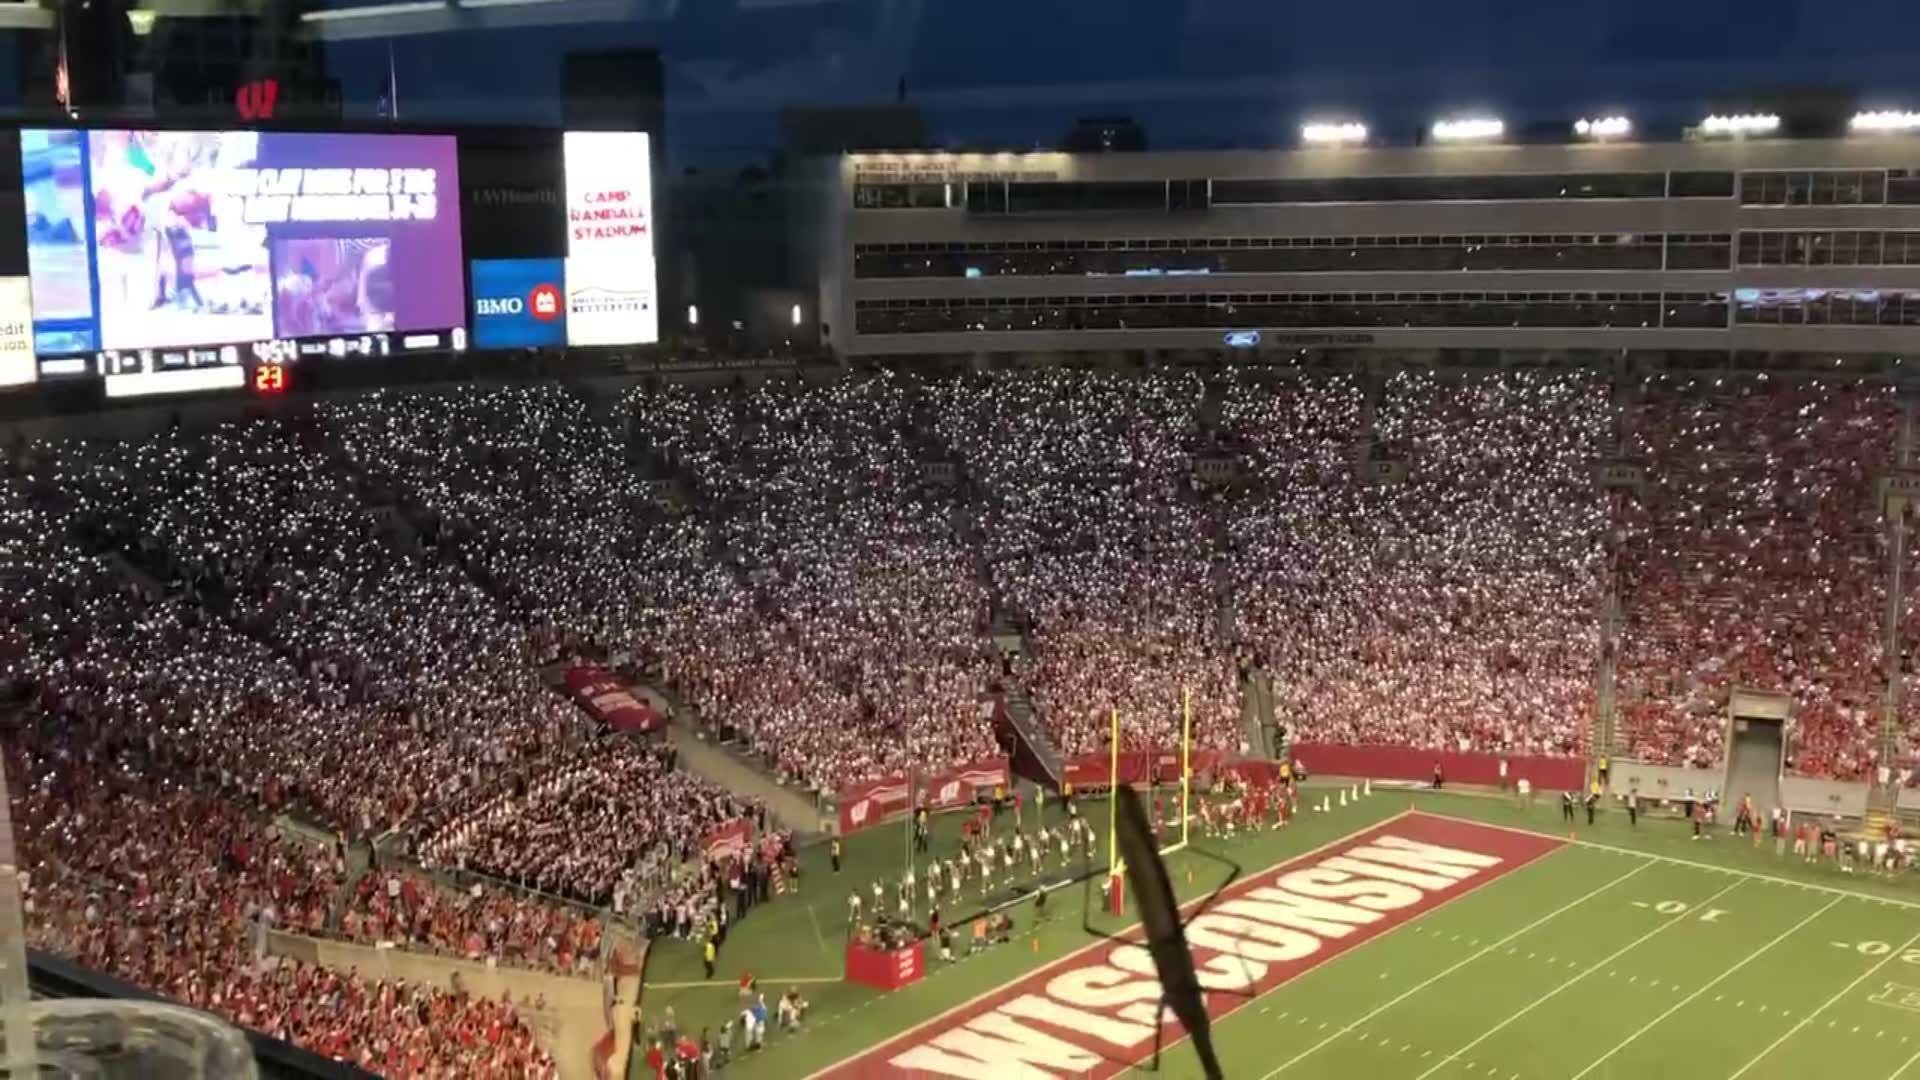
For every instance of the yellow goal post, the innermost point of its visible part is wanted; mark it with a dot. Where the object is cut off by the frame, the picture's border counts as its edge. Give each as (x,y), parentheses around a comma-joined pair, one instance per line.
(1116,866)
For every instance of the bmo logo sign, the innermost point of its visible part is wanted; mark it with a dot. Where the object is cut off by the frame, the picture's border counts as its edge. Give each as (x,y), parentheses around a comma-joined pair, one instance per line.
(542,304)
(519,303)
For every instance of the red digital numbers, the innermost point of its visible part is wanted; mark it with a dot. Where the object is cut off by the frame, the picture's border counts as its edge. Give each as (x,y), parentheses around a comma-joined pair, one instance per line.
(270,379)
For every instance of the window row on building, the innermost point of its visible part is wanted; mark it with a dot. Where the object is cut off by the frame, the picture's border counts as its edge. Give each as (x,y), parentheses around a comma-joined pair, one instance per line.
(1831,187)
(1294,254)
(1827,307)
(1779,187)
(1830,247)
(1264,311)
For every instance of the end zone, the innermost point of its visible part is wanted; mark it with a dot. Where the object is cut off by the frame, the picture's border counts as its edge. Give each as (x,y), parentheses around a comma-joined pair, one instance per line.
(1094,1012)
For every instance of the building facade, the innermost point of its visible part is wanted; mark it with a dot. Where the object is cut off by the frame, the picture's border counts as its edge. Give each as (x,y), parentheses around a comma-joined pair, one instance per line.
(1768,246)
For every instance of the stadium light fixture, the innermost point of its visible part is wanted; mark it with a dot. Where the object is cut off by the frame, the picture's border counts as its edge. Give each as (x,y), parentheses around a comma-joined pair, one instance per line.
(1333,134)
(1740,124)
(693,314)
(1468,129)
(1884,120)
(1603,127)
(796,314)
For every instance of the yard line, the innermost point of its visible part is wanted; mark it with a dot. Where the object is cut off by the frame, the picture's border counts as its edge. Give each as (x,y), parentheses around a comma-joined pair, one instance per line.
(1828,1004)
(1683,1002)
(1830,890)
(1542,920)
(818,938)
(1669,922)
(1905,1067)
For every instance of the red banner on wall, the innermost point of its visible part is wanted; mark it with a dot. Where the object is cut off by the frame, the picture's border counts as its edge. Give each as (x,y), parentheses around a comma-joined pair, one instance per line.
(729,841)
(608,699)
(1407,763)
(1096,770)
(959,785)
(874,801)
(871,802)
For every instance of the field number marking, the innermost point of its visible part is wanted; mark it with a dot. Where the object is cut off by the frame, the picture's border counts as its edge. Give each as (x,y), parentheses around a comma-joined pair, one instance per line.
(1680,907)
(1874,949)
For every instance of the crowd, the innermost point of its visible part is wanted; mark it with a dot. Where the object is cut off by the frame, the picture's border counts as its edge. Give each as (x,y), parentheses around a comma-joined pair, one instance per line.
(834,613)
(1756,559)
(344,612)
(482,923)
(131,873)
(580,829)
(1451,607)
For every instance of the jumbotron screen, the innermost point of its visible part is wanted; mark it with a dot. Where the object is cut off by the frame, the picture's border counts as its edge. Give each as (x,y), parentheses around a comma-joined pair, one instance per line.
(152,252)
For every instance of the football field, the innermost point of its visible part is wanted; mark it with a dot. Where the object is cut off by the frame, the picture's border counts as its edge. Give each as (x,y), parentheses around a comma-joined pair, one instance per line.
(1600,962)
(1418,936)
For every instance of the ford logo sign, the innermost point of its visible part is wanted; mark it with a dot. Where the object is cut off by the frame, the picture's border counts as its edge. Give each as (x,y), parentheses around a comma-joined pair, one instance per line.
(1243,339)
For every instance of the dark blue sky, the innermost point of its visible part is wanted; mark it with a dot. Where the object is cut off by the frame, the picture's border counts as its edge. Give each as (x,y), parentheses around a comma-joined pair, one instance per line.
(1199,73)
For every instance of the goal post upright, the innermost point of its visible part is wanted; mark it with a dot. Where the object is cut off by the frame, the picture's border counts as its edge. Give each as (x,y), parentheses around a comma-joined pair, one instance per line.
(1116,887)
(1186,763)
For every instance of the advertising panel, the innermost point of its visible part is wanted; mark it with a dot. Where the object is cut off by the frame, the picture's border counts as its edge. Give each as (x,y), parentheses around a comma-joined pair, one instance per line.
(16,332)
(610,260)
(152,249)
(513,194)
(519,303)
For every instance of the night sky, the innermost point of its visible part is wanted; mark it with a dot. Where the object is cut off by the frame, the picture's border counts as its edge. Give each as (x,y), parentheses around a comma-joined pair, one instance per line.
(1206,73)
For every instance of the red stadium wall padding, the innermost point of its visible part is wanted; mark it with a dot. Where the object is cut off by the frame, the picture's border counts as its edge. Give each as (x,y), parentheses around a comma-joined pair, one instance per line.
(1407,763)
(1091,771)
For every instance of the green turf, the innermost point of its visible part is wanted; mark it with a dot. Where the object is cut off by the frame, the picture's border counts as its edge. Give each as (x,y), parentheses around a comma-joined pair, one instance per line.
(1578,965)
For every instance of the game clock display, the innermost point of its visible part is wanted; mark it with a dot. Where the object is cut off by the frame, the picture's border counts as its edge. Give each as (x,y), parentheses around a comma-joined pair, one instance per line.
(157,253)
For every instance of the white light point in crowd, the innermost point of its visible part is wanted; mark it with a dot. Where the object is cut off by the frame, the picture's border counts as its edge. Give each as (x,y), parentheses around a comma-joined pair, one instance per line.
(796,314)
(1885,120)
(1469,128)
(693,314)
(1605,127)
(1333,134)
(1741,124)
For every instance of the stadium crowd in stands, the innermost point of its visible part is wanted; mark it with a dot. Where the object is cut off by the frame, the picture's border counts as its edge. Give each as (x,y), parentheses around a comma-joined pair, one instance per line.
(344,613)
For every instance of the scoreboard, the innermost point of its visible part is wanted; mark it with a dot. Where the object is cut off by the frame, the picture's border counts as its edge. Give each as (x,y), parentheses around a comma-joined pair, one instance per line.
(180,261)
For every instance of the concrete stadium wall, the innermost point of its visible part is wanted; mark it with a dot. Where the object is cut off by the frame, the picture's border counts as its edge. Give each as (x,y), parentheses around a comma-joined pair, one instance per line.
(1829,798)
(1662,781)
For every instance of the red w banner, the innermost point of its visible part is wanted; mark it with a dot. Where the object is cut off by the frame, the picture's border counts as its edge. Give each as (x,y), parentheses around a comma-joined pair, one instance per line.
(958,785)
(729,841)
(874,801)
(603,695)
(870,803)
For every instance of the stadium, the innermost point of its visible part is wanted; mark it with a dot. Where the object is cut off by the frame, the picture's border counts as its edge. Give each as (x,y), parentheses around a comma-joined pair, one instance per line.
(1415,608)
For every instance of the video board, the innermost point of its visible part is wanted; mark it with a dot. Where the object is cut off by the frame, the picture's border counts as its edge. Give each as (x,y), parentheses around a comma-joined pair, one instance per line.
(154,253)
(611,276)
(16,333)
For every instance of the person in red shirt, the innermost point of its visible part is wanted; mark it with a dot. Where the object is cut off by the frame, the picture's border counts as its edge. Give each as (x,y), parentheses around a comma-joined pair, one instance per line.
(656,1060)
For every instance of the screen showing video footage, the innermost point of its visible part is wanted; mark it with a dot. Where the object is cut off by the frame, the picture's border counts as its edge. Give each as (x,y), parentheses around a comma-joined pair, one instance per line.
(150,250)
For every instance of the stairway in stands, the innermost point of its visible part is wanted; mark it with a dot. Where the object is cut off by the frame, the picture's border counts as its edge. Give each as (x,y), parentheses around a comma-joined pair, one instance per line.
(735,771)
(1032,750)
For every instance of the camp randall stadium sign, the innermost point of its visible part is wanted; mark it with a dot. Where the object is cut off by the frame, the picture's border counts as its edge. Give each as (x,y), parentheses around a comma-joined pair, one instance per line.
(1093,1013)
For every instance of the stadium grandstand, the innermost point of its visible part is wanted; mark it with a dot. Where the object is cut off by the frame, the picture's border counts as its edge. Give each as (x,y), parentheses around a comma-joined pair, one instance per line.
(1408,524)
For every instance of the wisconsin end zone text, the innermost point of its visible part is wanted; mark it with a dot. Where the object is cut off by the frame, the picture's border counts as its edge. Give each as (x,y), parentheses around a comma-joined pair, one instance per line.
(1093,1013)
